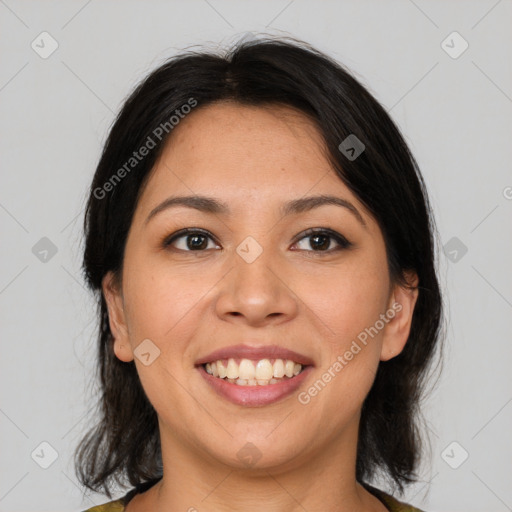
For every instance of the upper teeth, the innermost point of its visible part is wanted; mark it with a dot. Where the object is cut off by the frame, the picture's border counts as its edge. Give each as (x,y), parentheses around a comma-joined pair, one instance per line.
(263,369)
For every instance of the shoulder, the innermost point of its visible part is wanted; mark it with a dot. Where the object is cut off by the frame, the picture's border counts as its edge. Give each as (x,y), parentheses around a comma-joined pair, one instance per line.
(111,506)
(120,504)
(392,504)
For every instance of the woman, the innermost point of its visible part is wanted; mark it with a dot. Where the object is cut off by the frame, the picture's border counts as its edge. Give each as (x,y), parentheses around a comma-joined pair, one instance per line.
(261,245)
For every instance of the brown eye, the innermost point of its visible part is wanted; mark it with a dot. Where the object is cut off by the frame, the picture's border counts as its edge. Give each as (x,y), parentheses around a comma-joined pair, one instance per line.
(322,240)
(318,241)
(190,240)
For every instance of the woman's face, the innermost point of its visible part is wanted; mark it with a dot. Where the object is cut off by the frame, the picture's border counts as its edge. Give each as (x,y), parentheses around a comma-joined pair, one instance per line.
(254,278)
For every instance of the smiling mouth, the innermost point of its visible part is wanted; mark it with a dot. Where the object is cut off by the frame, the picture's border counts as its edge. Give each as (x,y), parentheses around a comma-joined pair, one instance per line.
(247,372)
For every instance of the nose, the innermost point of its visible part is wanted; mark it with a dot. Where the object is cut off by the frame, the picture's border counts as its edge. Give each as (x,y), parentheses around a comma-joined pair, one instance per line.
(256,293)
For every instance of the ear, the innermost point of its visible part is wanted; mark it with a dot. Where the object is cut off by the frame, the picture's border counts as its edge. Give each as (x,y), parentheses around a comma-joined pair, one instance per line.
(117,318)
(400,311)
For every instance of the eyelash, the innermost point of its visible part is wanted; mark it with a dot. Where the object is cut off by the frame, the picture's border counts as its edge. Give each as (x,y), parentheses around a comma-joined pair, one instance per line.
(342,242)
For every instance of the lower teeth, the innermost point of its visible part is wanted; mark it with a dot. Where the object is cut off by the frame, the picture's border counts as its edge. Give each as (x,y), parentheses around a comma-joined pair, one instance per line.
(254,382)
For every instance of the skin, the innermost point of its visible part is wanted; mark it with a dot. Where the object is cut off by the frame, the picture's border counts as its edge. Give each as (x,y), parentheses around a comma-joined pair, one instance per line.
(189,303)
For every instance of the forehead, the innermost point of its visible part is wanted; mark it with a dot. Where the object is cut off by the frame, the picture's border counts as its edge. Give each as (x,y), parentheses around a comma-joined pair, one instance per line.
(244,154)
(228,133)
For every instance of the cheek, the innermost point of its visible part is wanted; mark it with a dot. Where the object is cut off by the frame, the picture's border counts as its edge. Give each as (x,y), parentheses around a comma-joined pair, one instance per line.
(351,300)
(350,307)
(153,296)
(162,303)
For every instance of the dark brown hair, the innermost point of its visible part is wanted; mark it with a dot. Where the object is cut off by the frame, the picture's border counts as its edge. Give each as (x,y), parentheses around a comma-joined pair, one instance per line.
(124,446)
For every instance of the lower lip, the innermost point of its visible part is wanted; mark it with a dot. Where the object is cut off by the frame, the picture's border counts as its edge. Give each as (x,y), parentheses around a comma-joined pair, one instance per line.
(254,396)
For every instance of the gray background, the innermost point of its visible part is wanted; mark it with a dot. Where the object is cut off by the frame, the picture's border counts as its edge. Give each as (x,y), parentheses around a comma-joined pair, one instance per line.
(55,112)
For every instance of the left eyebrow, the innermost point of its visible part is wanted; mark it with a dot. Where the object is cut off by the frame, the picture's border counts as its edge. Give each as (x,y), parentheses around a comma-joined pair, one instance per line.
(309,203)
(214,206)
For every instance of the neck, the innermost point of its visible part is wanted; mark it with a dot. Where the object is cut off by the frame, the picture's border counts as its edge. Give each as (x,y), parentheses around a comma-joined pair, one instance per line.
(194,482)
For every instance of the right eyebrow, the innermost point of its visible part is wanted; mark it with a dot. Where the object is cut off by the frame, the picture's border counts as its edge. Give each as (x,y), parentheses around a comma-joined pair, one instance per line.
(201,203)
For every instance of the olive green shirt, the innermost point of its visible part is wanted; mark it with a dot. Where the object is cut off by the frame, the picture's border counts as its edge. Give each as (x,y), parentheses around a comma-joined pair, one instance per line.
(391,503)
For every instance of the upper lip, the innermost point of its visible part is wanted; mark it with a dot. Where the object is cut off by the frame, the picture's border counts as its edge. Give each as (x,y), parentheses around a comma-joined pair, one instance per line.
(256,353)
